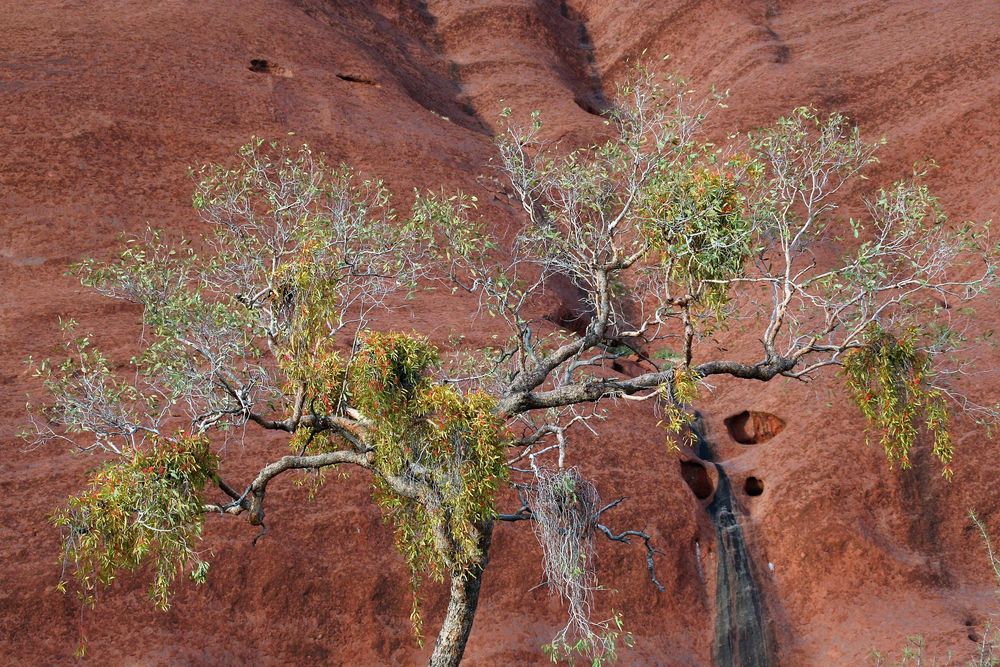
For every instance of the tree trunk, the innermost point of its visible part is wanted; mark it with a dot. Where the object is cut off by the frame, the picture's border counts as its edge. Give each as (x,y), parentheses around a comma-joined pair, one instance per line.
(450,644)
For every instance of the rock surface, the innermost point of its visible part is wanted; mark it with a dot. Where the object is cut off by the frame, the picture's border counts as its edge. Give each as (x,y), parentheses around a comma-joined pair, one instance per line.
(104,106)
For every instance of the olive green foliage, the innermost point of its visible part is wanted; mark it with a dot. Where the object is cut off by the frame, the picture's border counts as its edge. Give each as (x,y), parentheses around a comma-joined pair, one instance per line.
(144,506)
(889,379)
(700,224)
(678,395)
(454,439)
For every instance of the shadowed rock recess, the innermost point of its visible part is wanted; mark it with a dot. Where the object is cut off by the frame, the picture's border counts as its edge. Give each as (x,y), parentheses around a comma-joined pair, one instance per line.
(696,476)
(751,427)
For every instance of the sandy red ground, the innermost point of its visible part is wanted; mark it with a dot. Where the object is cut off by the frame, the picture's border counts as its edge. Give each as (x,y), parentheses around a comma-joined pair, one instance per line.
(104,106)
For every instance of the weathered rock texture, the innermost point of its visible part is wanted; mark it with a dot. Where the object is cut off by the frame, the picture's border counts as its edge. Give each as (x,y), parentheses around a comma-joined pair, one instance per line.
(104,106)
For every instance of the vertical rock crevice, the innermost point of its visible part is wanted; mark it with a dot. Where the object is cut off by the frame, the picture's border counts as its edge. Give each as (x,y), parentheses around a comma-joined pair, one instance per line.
(741,638)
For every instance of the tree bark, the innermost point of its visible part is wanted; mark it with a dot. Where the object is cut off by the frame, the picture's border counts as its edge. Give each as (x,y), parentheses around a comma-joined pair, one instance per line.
(457,626)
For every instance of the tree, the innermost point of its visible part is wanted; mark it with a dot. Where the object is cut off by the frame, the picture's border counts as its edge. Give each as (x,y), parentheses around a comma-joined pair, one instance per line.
(663,237)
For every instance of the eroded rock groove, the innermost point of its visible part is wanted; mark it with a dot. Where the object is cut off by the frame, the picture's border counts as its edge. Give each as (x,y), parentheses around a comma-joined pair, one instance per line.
(741,638)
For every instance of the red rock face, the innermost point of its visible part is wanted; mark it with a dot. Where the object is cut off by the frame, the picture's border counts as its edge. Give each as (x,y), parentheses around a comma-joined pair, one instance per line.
(104,106)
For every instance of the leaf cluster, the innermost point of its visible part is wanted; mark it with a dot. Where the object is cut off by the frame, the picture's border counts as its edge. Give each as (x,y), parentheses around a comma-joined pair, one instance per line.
(678,395)
(597,649)
(890,379)
(452,442)
(144,506)
(700,224)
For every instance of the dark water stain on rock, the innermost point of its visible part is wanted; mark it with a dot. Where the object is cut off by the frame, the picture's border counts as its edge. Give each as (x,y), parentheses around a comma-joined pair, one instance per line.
(741,639)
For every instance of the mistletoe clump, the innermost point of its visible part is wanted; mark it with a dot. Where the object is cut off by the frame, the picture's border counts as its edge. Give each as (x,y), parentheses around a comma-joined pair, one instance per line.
(421,428)
(677,395)
(699,221)
(890,380)
(146,505)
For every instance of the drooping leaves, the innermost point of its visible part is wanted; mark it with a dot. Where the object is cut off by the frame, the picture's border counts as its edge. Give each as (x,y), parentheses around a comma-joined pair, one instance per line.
(453,440)
(145,506)
(890,380)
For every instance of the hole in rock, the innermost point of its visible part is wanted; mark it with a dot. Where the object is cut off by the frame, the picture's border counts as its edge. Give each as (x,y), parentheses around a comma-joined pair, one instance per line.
(754,486)
(696,477)
(354,78)
(571,310)
(260,66)
(588,107)
(751,427)
(974,637)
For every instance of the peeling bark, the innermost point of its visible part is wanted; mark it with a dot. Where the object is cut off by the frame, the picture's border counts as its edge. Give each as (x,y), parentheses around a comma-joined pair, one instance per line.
(450,645)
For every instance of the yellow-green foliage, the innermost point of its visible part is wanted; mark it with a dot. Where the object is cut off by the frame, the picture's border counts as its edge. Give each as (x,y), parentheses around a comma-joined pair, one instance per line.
(309,345)
(454,439)
(889,380)
(146,504)
(308,356)
(681,392)
(699,221)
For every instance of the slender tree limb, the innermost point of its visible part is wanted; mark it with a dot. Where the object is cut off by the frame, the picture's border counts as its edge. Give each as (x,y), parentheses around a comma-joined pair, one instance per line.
(647,540)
